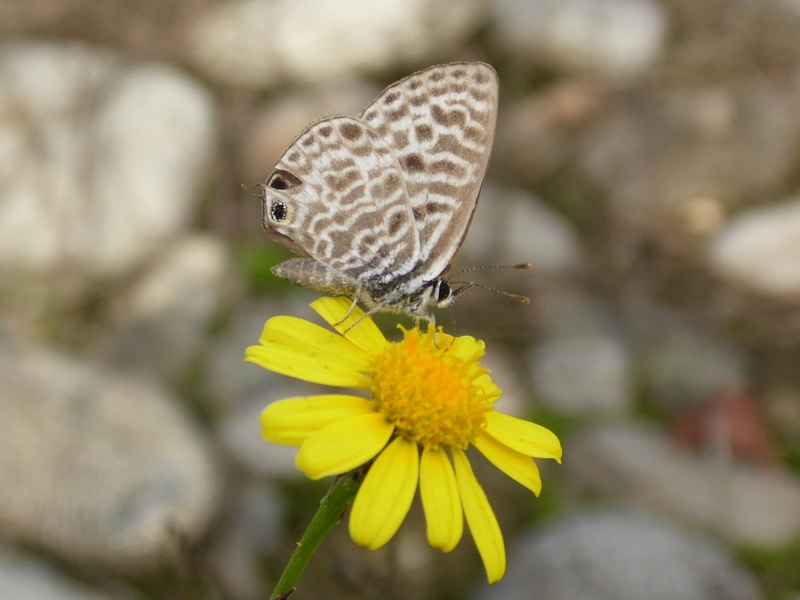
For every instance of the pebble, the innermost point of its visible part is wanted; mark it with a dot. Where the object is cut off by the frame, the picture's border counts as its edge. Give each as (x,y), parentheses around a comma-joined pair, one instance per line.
(729,144)
(687,368)
(532,232)
(533,136)
(101,161)
(619,555)
(303,39)
(580,375)
(759,249)
(23,578)
(616,39)
(161,324)
(96,467)
(637,466)
(256,528)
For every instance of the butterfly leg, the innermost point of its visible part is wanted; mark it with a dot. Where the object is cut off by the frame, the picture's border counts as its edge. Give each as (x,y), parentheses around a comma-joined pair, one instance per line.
(353,305)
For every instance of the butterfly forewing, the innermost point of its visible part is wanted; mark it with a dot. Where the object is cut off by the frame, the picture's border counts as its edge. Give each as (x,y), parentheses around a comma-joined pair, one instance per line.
(440,125)
(338,196)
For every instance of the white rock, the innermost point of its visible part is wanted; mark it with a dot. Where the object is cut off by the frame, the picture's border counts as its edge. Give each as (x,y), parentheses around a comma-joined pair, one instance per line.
(512,226)
(255,43)
(760,249)
(637,466)
(26,579)
(256,527)
(620,556)
(582,375)
(614,38)
(161,324)
(98,468)
(100,162)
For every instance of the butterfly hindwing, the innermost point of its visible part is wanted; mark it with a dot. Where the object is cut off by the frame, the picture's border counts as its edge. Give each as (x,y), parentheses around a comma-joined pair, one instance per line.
(440,125)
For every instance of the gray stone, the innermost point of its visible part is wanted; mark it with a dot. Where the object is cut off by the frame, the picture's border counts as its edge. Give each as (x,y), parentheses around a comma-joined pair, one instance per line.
(723,159)
(580,375)
(255,528)
(256,43)
(27,579)
(512,226)
(101,161)
(567,313)
(607,555)
(96,467)
(161,325)
(534,134)
(690,369)
(614,38)
(760,250)
(637,466)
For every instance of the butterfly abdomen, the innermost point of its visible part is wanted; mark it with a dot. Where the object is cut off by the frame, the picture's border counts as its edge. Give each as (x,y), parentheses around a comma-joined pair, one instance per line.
(306,272)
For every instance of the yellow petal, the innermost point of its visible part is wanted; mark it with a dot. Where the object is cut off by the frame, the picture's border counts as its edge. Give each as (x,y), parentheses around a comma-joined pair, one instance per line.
(305,366)
(525,437)
(439,492)
(481,520)
(357,328)
(343,445)
(292,420)
(467,347)
(304,336)
(519,467)
(386,494)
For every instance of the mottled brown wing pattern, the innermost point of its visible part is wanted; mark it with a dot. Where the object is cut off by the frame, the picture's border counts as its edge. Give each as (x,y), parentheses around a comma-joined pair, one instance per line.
(440,125)
(338,195)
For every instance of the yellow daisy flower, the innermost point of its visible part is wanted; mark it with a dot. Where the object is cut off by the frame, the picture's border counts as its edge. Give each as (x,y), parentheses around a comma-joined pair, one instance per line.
(430,399)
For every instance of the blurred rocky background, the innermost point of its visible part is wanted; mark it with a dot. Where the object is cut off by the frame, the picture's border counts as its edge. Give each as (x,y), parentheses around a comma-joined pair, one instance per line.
(647,160)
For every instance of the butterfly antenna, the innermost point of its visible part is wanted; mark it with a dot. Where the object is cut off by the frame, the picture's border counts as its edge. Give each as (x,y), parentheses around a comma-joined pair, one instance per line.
(468,284)
(519,267)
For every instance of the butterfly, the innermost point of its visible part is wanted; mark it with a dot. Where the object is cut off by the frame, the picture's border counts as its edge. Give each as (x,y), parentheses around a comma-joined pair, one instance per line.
(377,206)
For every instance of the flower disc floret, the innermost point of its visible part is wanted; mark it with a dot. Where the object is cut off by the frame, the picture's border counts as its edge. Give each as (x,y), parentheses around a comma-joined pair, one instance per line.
(429,392)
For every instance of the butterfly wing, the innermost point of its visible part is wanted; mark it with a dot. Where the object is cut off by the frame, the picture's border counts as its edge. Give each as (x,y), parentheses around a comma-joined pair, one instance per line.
(338,196)
(440,125)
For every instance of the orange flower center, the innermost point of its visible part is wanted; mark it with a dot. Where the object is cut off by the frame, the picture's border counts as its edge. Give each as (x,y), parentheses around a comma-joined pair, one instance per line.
(430,393)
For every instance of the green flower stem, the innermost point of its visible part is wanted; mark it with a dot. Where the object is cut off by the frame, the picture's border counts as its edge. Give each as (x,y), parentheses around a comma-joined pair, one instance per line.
(331,510)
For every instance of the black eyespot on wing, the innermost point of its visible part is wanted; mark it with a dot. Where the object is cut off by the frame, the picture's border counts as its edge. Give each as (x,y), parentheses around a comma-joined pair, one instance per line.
(444,291)
(282,180)
(277,212)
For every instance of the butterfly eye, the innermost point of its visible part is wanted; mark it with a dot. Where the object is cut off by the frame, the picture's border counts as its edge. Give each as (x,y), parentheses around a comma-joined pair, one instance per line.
(443,293)
(278,211)
(282,180)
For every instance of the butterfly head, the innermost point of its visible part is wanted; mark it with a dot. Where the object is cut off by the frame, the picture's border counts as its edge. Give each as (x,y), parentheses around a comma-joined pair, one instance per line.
(442,294)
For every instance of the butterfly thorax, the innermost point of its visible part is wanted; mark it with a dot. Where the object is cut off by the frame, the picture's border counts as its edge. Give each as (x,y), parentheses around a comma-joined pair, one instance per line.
(410,295)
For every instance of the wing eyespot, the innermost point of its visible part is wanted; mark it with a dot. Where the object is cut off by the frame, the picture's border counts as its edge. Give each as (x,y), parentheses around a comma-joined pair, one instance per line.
(282,180)
(278,211)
